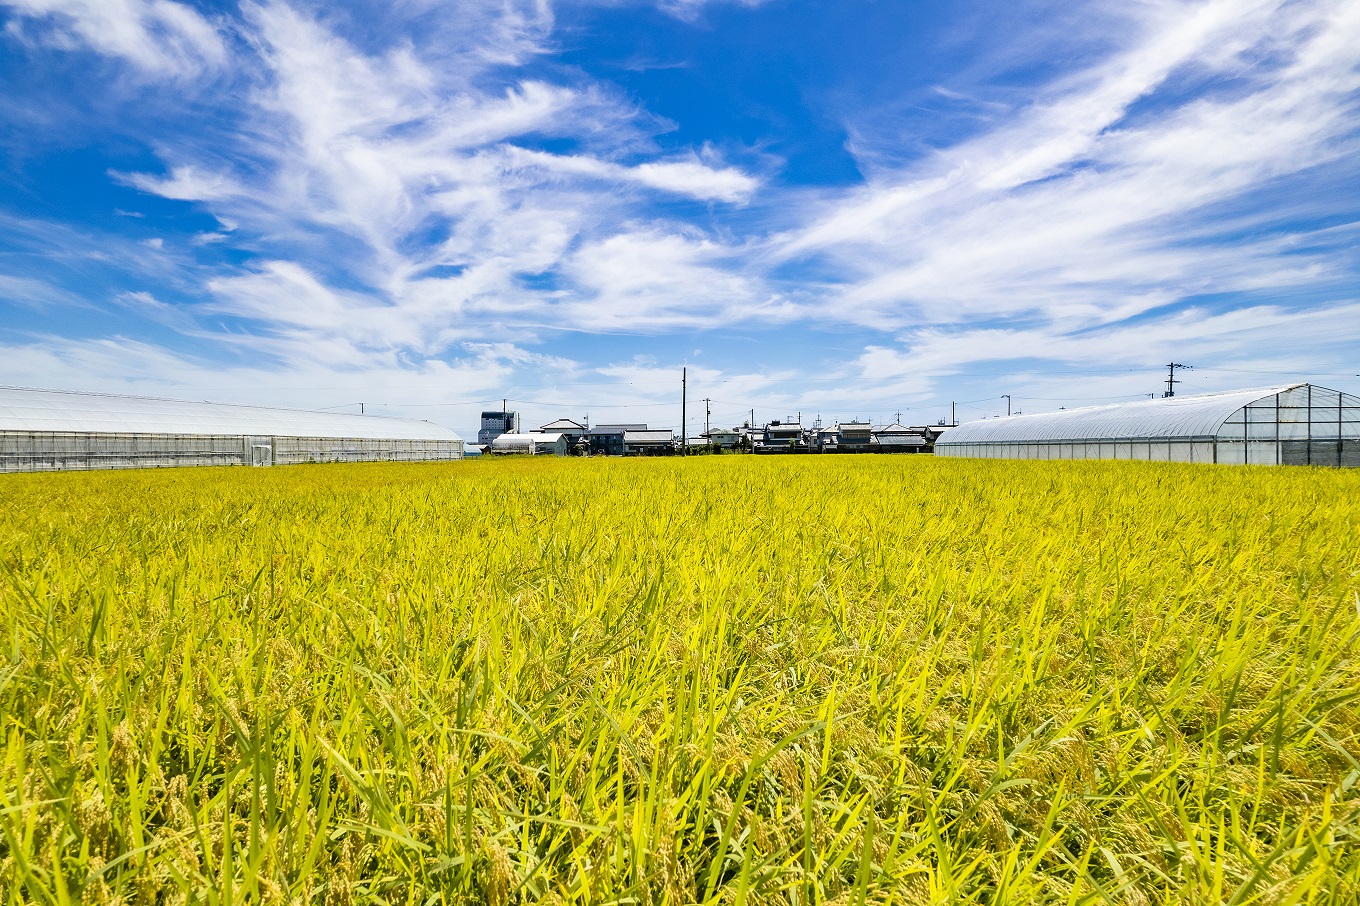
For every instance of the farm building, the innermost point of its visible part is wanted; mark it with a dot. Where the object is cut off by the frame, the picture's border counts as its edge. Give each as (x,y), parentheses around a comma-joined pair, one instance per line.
(532,444)
(608,439)
(1297,424)
(46,430)
(649,443)
(495,423)
(897,438)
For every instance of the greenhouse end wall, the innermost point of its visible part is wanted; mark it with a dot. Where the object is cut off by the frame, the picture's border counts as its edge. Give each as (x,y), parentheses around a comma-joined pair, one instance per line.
(26,451)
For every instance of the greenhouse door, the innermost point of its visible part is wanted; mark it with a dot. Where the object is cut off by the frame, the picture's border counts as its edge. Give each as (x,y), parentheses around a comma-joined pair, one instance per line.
(261,450)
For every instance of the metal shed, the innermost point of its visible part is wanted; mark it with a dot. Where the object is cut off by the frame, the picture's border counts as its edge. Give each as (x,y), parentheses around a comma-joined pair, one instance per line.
(896,438)
(47,430)
(1294,424)
(648,443)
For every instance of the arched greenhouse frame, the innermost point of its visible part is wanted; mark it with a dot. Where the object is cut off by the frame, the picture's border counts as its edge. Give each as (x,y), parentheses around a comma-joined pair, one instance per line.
(1296,424)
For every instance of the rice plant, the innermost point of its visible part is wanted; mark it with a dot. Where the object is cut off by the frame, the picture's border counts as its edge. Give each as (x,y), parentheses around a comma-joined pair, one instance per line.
(719,680)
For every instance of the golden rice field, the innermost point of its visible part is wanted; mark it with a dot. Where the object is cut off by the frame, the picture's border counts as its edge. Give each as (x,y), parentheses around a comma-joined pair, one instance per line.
(721,680)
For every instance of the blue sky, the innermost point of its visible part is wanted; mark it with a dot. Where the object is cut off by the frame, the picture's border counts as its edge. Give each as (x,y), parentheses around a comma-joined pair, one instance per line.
(849,209)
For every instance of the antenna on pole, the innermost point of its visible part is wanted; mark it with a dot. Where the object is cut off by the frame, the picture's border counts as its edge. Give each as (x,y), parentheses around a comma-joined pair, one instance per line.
(1171,381)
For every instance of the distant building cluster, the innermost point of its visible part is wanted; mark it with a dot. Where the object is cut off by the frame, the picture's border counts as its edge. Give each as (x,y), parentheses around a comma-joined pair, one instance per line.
(500,434)
(47,430)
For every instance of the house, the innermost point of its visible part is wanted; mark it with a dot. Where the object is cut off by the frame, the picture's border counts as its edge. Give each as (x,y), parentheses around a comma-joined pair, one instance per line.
(648,443)
(574,431)
(855,437)
(782,437)
(724,438)
(825,440)
(607,440)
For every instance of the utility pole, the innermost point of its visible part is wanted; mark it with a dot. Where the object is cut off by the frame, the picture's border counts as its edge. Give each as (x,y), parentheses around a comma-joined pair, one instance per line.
(707,413)
(1171,381)
(953,413)
(684,402)
(361,408)
(1008,402)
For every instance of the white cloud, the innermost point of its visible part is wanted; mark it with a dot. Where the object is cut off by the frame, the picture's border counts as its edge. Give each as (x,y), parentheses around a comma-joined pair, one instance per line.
(448,391)
(403,206)
(1114,360)
(393,173)
(689,177)
(185,183)
(1087,208)
(690,10)
(697,179)
(158,36)
(650,281)
(32,293)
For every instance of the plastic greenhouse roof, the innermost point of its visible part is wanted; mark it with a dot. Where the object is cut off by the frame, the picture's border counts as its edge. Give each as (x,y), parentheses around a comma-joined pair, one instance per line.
(1178,416)
(61,411)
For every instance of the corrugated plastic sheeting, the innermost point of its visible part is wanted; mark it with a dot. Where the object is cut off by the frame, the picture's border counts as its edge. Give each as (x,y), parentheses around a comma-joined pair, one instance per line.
(39,451)
(33,451)
(54,411)
(648,437)
(290,450)
(514,443)
(1179,451)
(1187,416)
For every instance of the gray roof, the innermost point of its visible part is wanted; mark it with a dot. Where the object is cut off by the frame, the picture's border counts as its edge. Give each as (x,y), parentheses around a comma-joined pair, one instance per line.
(1178,416)
(68,412)
(563,424)
(616,429)
(648,437)
(894,439)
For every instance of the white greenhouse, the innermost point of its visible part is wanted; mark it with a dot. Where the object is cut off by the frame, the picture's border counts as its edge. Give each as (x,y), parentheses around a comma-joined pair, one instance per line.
(532,444)
(1297,424)
(47,430)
